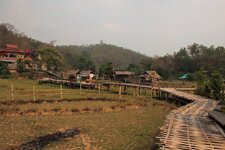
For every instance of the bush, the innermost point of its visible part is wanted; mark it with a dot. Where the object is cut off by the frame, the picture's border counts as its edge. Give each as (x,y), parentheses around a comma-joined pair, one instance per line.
(207,84)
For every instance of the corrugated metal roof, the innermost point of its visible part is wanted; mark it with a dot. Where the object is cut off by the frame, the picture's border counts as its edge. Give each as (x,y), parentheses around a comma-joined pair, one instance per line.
(85,73)
(124,72)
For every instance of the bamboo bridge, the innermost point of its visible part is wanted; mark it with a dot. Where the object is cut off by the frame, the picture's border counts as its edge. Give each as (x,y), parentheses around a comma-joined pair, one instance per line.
(187,128)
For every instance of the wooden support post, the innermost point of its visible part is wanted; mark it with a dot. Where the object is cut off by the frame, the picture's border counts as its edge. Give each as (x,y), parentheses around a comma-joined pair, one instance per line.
(12,94)
(160,95)
(120,91)
(134,91)
(145,92)
(61,93)
(156,94)
(80,87)
(125,89)
(151,94)
(137,90)
(166,96)
(99,88)
(34,96)
(108,86)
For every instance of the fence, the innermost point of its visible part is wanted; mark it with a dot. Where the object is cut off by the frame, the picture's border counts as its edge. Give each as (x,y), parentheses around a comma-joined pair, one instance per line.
(36,92)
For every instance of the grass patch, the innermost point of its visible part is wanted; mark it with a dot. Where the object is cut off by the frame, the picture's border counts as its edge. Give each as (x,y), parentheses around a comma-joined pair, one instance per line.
(112,123)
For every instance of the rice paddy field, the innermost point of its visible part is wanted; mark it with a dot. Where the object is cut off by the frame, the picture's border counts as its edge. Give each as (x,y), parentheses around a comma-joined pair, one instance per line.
(45,116)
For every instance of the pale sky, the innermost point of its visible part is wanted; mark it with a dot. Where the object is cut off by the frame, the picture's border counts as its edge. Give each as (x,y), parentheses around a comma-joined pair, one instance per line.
(152,27)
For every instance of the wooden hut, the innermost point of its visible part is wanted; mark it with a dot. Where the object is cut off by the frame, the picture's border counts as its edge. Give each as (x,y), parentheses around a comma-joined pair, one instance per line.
(86,75)
(123,75)
(70,75)
(149,77)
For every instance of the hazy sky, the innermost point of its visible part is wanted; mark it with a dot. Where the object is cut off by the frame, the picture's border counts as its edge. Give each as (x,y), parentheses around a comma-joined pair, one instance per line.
(152,27)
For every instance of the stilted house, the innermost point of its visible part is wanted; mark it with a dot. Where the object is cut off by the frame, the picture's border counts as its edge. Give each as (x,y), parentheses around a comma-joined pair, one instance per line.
(150,77)
(123,75)
(86,75)
(71,75)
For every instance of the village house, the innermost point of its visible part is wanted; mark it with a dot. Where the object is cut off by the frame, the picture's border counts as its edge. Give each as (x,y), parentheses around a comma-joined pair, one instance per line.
(123,75)
(11,53)
(86,75)
(70,75)
(150,77)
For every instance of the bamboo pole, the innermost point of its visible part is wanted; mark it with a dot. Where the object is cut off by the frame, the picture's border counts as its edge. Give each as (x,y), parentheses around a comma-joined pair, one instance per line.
(108,87)
(99,88)
(34,93)
(137,91)
(151,93)
(61,93)
(80,87)
(120,89)
(125,89)
(12,94)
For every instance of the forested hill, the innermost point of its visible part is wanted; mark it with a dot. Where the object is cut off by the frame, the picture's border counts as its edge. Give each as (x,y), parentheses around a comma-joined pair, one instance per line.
(100,54)
(98,57)
(10,35)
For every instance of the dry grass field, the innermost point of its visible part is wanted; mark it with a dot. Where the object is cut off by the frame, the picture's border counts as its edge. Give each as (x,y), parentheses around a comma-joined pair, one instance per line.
(80,119)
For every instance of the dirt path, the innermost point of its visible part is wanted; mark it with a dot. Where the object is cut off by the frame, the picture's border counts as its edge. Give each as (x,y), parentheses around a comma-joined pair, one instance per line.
(87,142)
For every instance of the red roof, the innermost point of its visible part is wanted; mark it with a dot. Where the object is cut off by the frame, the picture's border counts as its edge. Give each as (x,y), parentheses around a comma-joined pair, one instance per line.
(11,46)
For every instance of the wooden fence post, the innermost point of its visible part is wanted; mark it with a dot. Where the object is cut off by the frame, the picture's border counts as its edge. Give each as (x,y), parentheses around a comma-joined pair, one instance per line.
(137,91)
(151,93)
(99,88)
(120,89)
(134,91)
(80,87)
(34,93)
(125,89)
(61,94)
(12,92)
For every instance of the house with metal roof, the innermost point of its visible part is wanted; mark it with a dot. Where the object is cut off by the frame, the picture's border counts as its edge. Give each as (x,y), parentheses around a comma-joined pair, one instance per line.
(123,75)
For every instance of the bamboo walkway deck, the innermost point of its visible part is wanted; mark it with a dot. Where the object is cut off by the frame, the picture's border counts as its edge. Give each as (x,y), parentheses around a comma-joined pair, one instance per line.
(189,127)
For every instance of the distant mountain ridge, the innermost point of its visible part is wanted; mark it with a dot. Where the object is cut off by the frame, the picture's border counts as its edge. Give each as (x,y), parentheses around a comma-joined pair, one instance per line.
(101,54)
(74,56)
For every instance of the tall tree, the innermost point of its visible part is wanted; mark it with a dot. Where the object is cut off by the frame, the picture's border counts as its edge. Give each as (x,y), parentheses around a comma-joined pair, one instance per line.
(51,58)
(106,70)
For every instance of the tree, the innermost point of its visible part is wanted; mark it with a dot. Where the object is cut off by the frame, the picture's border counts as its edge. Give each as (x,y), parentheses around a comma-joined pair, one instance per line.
(203,84)
(106,70)
(146,63)
(52,59)
(216,84)
(207,84)
(3,69)
(20,66)
(135,68)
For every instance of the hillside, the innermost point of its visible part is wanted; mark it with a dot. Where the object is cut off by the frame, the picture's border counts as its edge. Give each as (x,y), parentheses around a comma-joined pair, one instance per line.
(9,34)
(100,54)
(76,57)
